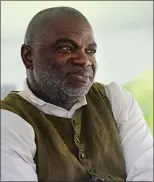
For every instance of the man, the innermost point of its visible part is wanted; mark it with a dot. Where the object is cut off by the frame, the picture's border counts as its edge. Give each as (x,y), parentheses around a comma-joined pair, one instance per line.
(63,126)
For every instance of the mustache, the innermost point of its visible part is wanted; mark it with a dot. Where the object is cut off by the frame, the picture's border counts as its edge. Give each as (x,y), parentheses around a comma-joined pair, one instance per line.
(88,71)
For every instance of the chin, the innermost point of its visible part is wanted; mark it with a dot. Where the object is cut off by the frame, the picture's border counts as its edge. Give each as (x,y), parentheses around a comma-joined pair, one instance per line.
(77,90)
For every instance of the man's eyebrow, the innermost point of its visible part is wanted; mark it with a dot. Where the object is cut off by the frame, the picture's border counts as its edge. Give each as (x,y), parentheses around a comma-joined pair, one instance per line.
(65,40)
(93,44)
(68,40)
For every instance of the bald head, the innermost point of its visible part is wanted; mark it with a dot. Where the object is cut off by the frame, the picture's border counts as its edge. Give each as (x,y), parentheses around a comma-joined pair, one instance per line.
(49,18)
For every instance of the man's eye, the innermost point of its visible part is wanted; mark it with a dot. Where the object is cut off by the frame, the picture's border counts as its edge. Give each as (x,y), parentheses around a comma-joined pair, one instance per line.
(65,48)
(91,51)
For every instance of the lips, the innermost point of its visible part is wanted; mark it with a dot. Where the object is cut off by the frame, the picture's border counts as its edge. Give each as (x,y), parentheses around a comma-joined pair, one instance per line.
(81,76)
(82,73)
(84,79)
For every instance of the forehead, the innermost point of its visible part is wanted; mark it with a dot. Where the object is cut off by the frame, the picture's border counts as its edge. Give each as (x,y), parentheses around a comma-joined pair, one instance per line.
(78,30)
(79,36)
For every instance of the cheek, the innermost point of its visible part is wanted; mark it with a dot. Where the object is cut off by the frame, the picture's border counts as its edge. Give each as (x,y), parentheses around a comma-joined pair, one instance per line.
(94,63)
(93,59)
(62,59)
(43,54)
(39,58)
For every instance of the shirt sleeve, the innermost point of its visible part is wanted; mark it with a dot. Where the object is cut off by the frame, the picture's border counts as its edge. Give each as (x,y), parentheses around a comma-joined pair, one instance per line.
(17,149)
(135,137)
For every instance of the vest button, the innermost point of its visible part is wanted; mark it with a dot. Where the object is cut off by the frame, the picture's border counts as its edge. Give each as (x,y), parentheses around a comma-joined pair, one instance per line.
(91,171)
(77,139)
(82,156)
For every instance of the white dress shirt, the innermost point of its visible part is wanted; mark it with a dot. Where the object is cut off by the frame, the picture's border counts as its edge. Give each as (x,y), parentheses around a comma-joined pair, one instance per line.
(18,144)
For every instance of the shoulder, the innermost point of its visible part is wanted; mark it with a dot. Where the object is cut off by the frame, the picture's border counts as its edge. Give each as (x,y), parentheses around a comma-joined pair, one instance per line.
(117,93)
(10,120)
(16,130)
(122,102)
(112,90)
(17,148)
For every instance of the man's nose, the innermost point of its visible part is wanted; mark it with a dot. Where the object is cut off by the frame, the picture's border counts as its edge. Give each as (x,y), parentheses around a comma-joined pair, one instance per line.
(82,59)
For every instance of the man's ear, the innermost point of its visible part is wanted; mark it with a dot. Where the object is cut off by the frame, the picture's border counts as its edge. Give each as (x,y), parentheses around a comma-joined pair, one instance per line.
(26,54)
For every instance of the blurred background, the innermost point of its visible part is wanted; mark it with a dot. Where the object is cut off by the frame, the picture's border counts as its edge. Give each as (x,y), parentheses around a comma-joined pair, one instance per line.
(124,34)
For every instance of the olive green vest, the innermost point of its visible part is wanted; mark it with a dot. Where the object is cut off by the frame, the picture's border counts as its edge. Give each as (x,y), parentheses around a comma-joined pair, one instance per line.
(69,149)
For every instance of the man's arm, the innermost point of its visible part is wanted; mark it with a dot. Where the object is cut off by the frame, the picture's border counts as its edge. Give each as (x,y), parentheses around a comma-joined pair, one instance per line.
(136,139)
(17,149)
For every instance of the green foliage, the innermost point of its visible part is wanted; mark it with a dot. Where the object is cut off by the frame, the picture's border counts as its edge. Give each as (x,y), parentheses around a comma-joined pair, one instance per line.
(142,89)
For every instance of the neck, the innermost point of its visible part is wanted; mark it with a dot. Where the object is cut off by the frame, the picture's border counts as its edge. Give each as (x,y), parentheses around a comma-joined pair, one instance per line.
(56,98)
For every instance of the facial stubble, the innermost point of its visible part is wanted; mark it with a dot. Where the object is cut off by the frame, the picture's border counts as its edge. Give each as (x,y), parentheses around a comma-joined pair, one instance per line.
(53,83)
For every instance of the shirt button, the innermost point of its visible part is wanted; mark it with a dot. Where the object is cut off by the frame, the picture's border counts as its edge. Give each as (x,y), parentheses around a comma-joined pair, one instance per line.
(82,156)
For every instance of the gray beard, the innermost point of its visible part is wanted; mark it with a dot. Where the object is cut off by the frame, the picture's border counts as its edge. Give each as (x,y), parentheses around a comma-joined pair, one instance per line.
(54,86)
